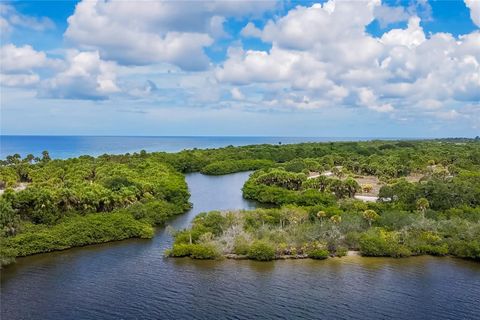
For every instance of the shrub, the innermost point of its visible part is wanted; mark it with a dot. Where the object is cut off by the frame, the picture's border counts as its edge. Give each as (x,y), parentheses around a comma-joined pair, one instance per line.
(180,250)
(204,251)
(241,246)
(213,221)
(465,249)
(7,213)
(191,235)
(436,250)
(319,254)
(155,212)
(381,243)
(261,251)
(426,242)
(7,255)
(400,252)
(397,219)
(341,252)
(117,183)
(352,240)
(295,165)
(79,231)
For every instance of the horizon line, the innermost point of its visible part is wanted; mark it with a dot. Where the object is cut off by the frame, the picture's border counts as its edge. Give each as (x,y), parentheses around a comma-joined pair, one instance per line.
(233,136)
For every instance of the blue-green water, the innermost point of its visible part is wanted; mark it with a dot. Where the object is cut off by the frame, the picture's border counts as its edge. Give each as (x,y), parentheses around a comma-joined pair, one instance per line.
(74,146)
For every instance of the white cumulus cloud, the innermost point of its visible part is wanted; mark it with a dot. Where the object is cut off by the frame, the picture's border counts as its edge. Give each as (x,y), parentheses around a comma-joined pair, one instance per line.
(19,66)
(175,32)
(86,76)
(251,31)
(336,63)
(19,59)
(474,6)
(387,15)
(410,37)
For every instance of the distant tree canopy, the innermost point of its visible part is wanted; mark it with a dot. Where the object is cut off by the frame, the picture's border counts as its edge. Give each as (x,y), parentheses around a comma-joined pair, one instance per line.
(388,159)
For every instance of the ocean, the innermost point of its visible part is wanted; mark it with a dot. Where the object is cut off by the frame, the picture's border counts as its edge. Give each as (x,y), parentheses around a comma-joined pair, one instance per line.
(63,147)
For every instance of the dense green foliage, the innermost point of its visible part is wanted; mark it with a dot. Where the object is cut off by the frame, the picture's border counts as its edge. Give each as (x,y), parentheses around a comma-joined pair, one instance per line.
(428,201)
(196,251)
(279,186)
(318,254)
(230,166)
(77,231)
(386,159)
(261,251)
(299,232)
(462,189)
(86,200)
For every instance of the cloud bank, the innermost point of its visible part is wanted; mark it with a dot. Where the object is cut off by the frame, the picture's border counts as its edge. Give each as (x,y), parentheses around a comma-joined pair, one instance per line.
(312,57)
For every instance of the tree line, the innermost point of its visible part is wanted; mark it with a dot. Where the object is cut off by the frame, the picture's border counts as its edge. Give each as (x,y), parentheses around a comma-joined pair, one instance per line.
(85,200)
(44,199)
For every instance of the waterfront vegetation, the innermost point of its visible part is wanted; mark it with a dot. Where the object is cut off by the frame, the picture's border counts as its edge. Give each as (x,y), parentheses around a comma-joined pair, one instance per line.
(76,202)
(428,200)
(319,232)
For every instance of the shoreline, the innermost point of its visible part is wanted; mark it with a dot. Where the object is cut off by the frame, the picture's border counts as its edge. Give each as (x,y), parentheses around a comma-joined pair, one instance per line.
(350,254)
(233,256)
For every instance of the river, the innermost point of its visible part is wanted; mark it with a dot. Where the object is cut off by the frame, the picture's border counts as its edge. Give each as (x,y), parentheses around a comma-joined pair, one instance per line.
(132,280)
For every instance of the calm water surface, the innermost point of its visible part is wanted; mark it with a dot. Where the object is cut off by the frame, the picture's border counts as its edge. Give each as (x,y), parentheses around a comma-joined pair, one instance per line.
(74,146)
(132,280)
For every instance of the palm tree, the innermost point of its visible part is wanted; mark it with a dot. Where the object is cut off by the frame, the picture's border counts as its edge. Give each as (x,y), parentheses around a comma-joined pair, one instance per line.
(29,158)
(370,216)
(337,186)
(298,216)
(336,219)
(422,206)
(285,214)
(367,188)
(320,215)
(351,187)
(13,159)
(337,172)
(45,156)
(322,183)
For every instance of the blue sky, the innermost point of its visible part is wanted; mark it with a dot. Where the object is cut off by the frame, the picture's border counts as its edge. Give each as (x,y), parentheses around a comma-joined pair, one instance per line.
(397,68)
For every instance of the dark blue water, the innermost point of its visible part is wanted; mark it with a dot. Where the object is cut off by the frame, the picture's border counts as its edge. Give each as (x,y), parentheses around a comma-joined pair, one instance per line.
(73,146)
(132,280)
